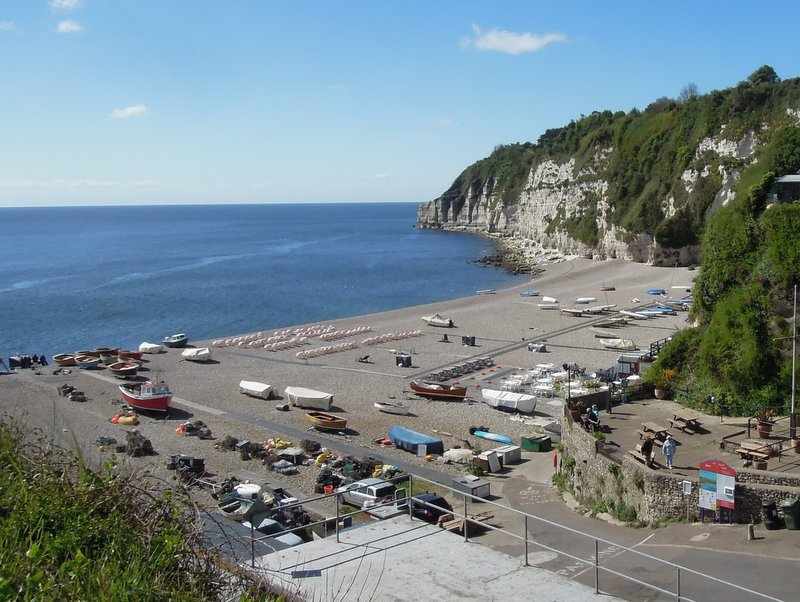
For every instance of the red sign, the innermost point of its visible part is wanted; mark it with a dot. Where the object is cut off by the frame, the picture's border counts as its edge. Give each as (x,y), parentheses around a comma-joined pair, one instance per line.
(718,467)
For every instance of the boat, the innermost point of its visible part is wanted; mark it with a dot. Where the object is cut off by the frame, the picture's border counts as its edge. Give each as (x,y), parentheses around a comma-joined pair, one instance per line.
(64,359)
(585,300)
(392,407)
(571,311)
(309,398)
(599,309)
(634,314)
(486,291)
(176,340)
(255,389)
(438,320)
(529,292)
(326,422)
(197,354)
(548,305)
(651,313)
(123,369)
(109,357)
(151,348)
(508,400)
(682,287)
(87,362)
(100,351)
(547,299)
(656,291)
(608,288)
(409,440)
(619,344)
(129,355)
(147,396)
(479,431)
(438,391)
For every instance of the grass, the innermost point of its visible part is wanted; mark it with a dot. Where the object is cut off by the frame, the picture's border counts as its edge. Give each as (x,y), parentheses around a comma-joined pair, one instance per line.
(68,533)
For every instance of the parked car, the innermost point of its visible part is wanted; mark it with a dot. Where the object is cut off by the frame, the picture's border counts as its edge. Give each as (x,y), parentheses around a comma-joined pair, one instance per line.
(430,513)
(367,492)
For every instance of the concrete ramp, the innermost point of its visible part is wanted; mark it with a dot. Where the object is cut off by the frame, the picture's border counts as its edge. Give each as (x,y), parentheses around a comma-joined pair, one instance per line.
(399,559)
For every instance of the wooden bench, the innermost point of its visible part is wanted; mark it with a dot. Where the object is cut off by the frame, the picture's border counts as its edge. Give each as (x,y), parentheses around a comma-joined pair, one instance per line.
(751,454)
(682,426)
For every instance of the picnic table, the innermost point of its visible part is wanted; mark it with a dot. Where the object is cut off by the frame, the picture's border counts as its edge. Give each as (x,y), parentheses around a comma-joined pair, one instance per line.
(659,432)
(687,422)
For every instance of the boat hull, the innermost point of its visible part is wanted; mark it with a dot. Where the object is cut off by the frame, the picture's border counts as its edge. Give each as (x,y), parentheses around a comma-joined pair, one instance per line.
(391,408)
(150,404)
(448,393)
(326,422)
(130,355)
(64,360)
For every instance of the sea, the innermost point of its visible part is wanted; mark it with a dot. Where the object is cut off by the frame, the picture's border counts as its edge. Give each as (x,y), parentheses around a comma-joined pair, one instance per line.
(80,277)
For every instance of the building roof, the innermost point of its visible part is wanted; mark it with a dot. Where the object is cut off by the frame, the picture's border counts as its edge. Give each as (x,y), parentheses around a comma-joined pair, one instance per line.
(793,179)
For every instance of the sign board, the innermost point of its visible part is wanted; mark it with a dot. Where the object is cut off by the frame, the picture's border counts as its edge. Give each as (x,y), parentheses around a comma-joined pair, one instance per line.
(422,450)
(687,487)
(717,485)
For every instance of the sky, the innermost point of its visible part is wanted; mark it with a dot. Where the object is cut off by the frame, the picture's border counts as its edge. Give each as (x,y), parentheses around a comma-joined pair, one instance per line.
(248,101)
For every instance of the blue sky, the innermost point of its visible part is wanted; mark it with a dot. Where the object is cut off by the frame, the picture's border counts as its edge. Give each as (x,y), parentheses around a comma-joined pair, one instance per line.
(171,101)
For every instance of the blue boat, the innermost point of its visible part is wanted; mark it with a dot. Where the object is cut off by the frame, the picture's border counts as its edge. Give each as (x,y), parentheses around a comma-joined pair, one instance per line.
(410,440)
(505,439)
(656,291)
(529,292)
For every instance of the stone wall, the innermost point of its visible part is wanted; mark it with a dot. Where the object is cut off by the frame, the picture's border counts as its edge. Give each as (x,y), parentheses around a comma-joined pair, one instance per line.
(602,472)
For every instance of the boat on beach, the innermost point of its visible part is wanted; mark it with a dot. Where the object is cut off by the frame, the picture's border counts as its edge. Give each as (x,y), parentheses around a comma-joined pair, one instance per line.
(197,354)
(438,320)
(619,344)
(438,391)
(176,340)
(409,440)
(635,315)
(109,357)
(585,300)
(392,407)
(486,291)
(255,389)
(548,305)
(604,334)
(129,355)
(87,362)
(147,396)
(481,432)
(123,369)
(547,299)
(326,422)
(529,292)
(309,398)
(151,348)
(64,359)
(572,311)
(509,400)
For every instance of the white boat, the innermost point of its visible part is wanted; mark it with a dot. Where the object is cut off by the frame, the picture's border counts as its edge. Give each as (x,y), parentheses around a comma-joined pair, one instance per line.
(151,348)
(197,354)
(549,300)
(255,389)
(598,309)
(585,300)
(651,313)
(438,320)
(486,291)
(619,344)
(508,400)
(548,305)
(571,312)
(634,314)
(685,288)
(392,407)
(309,398)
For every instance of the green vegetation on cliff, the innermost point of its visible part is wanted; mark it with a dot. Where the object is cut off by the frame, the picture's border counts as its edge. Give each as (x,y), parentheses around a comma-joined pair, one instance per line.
(646,154)
(742,297)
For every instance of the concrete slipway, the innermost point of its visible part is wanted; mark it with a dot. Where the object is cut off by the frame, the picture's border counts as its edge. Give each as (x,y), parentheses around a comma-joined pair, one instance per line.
(399,559)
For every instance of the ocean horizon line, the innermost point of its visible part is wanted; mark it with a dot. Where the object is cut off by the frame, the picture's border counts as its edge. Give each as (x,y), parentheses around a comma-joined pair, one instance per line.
(196,204)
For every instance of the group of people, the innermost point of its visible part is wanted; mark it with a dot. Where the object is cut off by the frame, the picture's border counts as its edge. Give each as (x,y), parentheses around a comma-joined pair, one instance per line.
(667,449)
(25,361)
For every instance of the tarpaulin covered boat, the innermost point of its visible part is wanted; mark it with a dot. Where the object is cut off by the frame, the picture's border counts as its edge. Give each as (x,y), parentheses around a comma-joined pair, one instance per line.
(309,398)
(409,440)
(255,389)
(509,400)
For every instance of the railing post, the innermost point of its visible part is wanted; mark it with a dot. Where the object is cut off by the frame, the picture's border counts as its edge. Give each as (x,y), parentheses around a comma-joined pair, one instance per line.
(596,568)
(678,583)
(409,495)
(252,546)
(466,519)
(526,540)
(337,518)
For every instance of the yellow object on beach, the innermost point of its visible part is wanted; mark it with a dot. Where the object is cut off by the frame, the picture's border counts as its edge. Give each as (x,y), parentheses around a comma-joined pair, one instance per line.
(128,420)
(323,458)
(377,471)
(277,443)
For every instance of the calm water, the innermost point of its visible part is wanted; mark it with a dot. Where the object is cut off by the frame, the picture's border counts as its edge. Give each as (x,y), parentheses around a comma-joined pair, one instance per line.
(80,277)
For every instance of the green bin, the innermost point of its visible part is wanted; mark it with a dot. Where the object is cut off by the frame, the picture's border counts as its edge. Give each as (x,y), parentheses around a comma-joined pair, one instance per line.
(790,509)
(539,443)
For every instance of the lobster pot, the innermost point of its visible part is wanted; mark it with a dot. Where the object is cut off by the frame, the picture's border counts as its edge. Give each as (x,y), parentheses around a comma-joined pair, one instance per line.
(403,360)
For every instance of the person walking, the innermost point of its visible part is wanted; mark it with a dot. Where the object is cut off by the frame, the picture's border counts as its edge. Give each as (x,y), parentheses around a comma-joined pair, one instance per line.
(668,449)
(647,450)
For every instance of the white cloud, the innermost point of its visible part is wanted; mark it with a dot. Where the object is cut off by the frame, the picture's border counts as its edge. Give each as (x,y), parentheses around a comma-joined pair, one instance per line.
(7,26)
(64,4)
(128,112)
(510,42)
(69,26)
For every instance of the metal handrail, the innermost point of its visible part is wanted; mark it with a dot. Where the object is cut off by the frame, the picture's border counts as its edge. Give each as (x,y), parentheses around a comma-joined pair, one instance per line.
(411,500)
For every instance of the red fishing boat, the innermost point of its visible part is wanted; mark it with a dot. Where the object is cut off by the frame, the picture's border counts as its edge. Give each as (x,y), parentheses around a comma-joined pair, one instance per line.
(438,391)
(147,396)
(124,354)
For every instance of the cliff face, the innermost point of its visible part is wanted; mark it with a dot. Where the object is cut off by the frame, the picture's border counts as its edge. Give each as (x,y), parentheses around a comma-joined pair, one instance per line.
(637,186)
